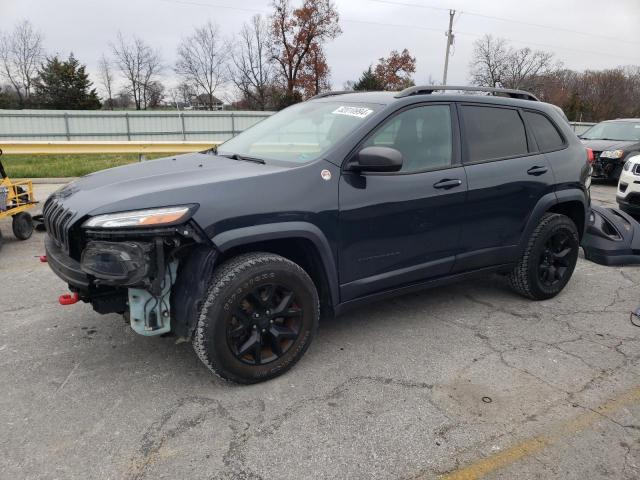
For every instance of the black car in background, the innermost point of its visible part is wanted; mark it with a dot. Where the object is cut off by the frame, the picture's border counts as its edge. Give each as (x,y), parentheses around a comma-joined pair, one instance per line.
(612,142)
(337,201)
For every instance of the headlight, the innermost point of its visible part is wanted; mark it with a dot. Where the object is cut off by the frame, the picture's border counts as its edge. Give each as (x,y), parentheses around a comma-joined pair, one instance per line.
(153,217)
(612,154)
(627,166)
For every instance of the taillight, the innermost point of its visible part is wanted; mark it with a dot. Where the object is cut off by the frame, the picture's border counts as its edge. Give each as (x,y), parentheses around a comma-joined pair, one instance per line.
(590,156)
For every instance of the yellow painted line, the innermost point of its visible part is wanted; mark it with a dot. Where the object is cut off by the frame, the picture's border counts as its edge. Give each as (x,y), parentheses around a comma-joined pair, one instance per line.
(83,147)
(532,445)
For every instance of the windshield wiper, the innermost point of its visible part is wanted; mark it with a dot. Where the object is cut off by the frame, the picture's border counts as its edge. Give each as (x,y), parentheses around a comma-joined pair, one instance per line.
(235,156)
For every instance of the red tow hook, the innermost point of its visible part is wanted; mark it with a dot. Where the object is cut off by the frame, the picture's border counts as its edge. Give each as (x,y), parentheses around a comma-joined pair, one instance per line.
(43,259)
(69,298)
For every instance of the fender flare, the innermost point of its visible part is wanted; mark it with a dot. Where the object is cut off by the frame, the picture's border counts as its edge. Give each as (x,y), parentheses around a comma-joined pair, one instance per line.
(282,230)
(544,204)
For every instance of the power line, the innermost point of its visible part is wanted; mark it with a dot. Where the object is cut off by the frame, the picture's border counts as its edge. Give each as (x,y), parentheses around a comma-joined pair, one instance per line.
(547,45)
(212,5)
(256,10)
(509,20)
(402,25)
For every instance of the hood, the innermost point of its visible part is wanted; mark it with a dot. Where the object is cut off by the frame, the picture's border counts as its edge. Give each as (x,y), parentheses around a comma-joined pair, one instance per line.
(164,182)
(601,145)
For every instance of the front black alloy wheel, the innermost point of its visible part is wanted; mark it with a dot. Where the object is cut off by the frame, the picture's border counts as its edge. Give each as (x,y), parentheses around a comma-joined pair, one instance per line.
(264,324)
(257,319)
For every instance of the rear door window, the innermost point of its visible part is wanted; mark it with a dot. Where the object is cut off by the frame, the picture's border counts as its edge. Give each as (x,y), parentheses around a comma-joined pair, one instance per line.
(547,135)
(492,133)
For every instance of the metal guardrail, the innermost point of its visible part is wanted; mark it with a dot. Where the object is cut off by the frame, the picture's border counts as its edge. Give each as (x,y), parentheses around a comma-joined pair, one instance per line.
(79,147)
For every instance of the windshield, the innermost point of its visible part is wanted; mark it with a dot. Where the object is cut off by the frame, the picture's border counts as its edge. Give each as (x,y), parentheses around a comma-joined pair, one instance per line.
(300,133)
(628,131)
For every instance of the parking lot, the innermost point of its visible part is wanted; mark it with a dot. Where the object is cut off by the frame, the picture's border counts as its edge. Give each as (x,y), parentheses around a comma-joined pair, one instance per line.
(463,381)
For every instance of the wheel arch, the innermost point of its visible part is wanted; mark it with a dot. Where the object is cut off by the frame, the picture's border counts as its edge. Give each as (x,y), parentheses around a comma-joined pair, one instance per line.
(570,202)
(575,211)
(301,242)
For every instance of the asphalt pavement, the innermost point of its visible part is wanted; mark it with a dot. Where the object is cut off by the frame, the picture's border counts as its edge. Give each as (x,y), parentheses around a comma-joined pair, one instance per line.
(463,381)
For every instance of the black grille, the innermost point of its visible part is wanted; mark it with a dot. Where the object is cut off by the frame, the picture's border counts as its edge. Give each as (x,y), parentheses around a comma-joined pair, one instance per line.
(57,221)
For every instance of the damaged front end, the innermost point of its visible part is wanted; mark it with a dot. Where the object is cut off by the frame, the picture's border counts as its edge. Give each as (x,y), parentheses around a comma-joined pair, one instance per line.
(130,263)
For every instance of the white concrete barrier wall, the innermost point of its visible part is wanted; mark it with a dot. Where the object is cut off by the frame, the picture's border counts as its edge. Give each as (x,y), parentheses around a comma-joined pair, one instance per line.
(121,125)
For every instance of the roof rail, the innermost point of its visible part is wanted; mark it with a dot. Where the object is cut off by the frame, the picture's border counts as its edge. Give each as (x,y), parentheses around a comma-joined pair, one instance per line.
(329,94)
(429,89)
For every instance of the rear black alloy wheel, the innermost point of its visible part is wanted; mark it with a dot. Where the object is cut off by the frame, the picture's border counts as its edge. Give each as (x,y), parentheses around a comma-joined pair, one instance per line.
(548,261)
(264,324)
(257,319)
(554,259)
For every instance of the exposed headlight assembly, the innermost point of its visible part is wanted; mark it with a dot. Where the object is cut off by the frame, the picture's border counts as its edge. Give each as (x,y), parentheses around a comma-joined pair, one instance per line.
(612,154)
(153,217)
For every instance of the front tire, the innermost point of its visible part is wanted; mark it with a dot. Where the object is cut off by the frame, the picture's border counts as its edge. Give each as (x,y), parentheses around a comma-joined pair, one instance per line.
(549,259)
(258,318)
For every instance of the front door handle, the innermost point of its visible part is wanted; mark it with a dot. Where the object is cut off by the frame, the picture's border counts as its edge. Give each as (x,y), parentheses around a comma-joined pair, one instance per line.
(446,184)
(537,170)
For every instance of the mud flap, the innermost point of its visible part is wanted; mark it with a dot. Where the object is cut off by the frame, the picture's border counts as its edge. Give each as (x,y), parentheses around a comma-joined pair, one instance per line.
(612,237)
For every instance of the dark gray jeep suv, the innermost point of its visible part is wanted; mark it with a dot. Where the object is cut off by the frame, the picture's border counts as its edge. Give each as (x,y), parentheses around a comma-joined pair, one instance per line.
(343,199)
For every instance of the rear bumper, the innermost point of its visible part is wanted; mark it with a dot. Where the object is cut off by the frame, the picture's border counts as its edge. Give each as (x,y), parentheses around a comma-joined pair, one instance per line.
(64,266)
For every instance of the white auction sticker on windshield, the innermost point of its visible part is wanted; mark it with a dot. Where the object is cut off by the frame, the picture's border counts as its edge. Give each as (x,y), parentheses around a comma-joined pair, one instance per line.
(359,112)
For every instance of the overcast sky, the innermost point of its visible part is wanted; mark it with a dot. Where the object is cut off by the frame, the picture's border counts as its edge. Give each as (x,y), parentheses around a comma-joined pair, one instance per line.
(583,34)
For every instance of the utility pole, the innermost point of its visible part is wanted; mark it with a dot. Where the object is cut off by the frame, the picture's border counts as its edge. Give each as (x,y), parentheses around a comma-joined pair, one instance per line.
(449,35)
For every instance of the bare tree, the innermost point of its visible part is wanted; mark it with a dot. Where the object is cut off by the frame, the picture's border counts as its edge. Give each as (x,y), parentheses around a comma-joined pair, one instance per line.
(489,61)
(524,66)
(20,55)
(495,64)
(140,65)
(252,69)
(202,60)
(106,80)
(182,95)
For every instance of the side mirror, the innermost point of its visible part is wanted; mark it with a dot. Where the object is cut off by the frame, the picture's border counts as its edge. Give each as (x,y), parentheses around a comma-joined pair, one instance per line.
(377,159)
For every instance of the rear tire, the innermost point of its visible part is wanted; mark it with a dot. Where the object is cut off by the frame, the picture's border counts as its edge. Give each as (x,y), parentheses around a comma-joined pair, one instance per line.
(257,319)
(22,225)
(548,260)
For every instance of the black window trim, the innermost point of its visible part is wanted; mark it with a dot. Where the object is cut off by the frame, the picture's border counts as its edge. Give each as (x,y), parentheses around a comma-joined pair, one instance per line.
(456,159)
(532,146)
(565,143)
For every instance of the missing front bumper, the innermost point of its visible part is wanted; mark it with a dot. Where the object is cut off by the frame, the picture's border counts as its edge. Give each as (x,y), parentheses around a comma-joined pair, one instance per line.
(612,237)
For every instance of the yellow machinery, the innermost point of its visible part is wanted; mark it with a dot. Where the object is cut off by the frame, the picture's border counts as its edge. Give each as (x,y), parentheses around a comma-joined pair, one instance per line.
(15,199)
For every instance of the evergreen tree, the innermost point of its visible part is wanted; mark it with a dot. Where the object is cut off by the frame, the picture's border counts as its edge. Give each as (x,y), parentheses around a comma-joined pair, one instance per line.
(368,81)
(64,85)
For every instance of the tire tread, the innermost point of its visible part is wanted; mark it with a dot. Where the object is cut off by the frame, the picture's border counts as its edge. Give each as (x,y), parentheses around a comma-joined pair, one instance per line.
(519,276)
(225,274)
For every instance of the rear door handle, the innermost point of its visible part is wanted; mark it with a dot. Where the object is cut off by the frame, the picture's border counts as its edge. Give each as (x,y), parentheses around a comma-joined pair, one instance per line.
(446,184)
(537,170)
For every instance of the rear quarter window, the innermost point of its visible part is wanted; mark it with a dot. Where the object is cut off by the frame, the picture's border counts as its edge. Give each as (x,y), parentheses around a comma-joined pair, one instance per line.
(546,133)
(492,133)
